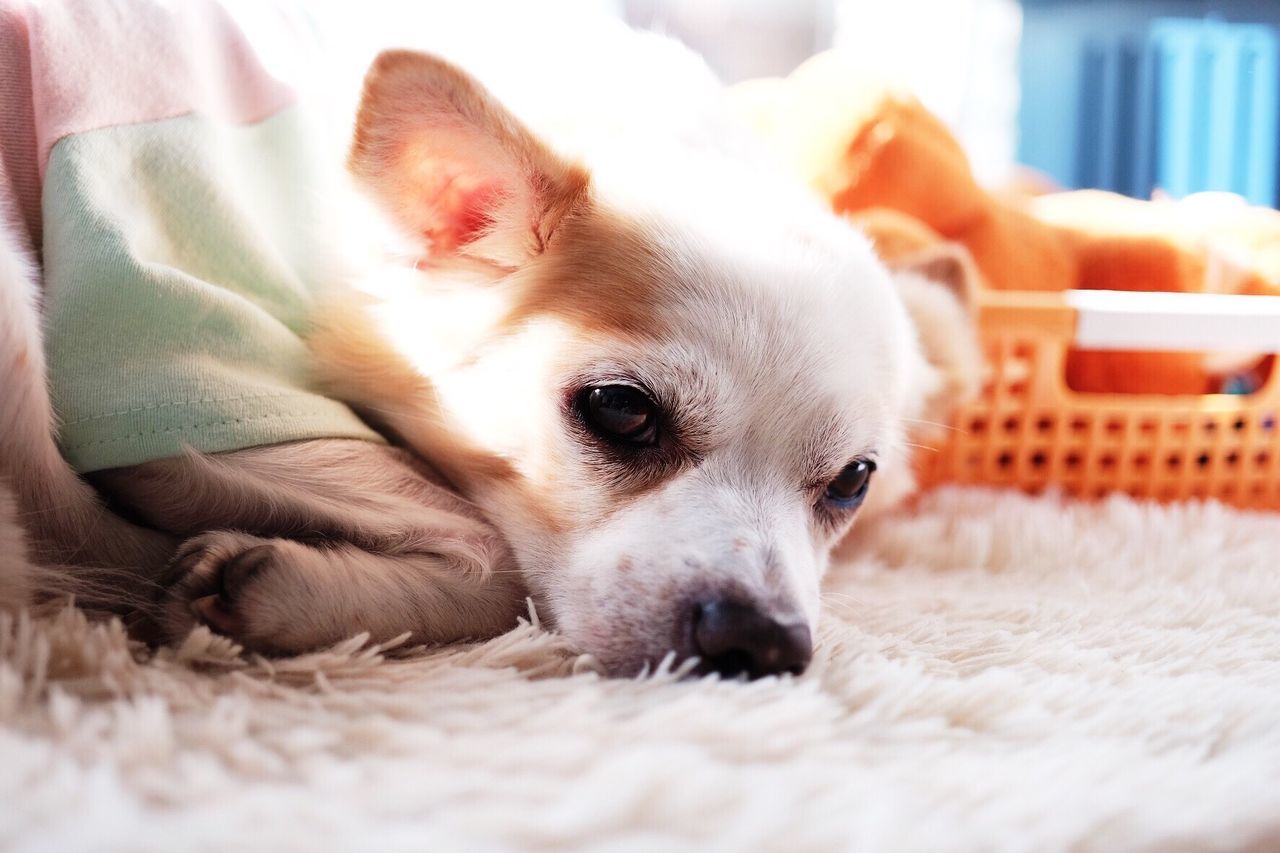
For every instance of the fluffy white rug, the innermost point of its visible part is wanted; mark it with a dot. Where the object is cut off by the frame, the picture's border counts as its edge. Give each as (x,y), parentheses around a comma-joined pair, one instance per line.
(995,672)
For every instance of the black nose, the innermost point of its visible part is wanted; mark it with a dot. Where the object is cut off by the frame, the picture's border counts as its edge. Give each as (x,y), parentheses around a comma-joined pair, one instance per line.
(737,639)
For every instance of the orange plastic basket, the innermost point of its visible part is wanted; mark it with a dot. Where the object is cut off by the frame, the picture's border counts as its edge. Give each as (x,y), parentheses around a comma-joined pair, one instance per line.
(1029,430)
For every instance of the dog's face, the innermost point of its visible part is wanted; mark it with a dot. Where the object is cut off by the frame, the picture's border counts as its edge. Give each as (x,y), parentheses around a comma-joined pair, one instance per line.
(670,390)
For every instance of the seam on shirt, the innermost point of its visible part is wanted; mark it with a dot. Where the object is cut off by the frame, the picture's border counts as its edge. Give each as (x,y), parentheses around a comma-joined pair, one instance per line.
(155,406)
(206,425)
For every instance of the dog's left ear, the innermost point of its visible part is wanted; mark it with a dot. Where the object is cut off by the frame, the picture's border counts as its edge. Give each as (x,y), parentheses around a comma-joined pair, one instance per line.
(939,286)
(455,167)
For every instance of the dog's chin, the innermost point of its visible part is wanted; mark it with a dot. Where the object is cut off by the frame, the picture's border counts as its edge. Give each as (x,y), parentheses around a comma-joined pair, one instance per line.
(636,664)
(623,657)
(659,647)
(622,646)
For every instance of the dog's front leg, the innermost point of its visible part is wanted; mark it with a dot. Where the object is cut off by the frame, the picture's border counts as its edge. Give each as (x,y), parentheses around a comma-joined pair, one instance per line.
(293,546)
(286,596)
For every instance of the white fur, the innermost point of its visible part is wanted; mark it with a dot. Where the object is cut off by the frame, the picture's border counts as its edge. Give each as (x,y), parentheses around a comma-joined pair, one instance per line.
(996,672)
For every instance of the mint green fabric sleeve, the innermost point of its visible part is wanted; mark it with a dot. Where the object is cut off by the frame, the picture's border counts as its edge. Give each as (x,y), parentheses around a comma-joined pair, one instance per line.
(179,276)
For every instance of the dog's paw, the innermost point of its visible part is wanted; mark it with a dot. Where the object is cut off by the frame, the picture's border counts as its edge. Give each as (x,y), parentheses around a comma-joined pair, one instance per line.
(237,585)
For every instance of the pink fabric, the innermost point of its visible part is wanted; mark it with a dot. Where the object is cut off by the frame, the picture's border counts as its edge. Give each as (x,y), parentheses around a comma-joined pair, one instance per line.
(19,170)
(100,63)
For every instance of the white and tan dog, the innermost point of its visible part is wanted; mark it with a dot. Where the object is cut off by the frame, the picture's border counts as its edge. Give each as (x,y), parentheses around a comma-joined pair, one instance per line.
(649,392)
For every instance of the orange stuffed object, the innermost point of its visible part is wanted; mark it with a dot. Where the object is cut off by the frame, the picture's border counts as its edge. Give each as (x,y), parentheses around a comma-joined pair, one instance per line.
(863,145)
(894,169)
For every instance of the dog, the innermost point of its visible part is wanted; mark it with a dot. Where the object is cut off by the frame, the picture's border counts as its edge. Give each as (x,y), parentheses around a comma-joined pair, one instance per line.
(650,394)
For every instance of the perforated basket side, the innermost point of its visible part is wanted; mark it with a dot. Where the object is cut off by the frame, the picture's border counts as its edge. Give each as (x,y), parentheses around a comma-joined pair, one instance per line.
(1028,430)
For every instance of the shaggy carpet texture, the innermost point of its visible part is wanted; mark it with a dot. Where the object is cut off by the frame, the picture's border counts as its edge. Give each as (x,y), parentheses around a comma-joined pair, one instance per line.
(995,672)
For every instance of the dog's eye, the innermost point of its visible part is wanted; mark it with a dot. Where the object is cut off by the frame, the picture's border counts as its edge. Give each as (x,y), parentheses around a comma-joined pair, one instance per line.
(850,485)
(621,414)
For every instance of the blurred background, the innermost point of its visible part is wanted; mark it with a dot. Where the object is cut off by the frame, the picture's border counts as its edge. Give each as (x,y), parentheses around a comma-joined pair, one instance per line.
(1143,97)
(1136,96)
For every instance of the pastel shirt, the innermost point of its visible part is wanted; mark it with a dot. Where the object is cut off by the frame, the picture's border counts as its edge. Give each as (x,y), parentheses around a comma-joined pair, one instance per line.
(179,265)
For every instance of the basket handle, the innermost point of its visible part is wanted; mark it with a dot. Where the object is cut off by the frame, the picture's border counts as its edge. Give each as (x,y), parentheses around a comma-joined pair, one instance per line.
(1159,321)
(1139,319)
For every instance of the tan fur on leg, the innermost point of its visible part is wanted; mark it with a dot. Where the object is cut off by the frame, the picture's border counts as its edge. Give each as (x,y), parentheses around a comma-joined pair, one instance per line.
(15,571)
(64,520)
(346,536)
(285,596)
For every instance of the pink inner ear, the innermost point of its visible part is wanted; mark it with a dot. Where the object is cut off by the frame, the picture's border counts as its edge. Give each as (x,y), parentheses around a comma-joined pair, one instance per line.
(457,207)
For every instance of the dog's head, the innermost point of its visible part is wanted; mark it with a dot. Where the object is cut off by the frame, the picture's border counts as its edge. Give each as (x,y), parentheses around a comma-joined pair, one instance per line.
(669,382)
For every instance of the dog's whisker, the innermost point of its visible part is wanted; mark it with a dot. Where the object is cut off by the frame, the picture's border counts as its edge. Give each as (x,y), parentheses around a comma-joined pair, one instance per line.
(921,447)
(938,424)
